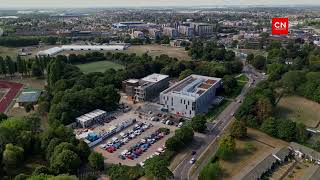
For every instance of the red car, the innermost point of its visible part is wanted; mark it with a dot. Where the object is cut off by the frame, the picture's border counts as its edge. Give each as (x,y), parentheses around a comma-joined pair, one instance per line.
(138,151)
(129,157)
(110,150)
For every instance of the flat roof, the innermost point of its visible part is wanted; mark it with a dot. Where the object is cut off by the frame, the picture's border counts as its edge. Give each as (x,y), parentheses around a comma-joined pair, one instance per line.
(154,78)
(91,115)
(193,86)
(29,96)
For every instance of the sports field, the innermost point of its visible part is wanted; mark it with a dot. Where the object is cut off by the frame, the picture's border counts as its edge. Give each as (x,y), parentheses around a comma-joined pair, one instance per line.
(99,66)
(299,109)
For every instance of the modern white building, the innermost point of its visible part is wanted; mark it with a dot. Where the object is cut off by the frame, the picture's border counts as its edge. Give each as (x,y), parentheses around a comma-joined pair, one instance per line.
(91,118)
(190,96)
(55,50)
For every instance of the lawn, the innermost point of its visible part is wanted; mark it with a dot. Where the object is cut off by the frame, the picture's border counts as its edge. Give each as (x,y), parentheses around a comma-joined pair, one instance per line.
(244,159)
(99,66)
(299,109)
(242,78)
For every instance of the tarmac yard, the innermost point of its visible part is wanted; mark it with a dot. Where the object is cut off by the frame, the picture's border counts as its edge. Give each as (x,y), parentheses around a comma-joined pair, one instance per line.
(113,157)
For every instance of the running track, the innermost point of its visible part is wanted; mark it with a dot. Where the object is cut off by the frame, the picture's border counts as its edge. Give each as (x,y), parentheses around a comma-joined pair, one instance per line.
(14,89)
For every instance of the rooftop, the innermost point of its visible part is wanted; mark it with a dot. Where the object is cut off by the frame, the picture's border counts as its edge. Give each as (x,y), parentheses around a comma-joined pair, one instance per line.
(193,86)
(91,115)
(153,78)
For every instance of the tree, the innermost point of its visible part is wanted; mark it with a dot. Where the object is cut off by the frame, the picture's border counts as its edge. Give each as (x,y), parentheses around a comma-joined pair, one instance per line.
(286,129)
(227,147)
(65,162)
(264,109)
(211,171)
(12,157)
(250,57)
(10,65)
(229,83)
(96,161)
(238,129)
(198,123)
(28,107)
(157,168)
(36,68)
(292,80)
(185,74)
(3,116)
(259,62)
(3,67)
(83,150)
(20,65)
(301,133)
(41,170)
(269,126)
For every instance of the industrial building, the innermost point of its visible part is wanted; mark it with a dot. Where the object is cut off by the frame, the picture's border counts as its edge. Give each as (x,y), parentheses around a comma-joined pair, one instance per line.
(55,50)
(190,96)
(171,32)
(91,118)
(150,87)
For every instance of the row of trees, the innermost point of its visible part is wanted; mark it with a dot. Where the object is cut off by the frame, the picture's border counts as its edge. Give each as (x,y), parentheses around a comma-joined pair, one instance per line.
(34,67)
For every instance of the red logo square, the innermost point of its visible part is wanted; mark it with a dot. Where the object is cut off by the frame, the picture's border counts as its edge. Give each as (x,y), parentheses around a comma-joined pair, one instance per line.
(280,26)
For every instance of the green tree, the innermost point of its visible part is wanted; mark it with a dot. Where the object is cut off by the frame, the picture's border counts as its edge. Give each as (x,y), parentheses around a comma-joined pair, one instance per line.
(292,80)
(238,129)
(185,74)
(65,162)
(286,129)
(10,65)
(269,126)
(259,62)
(3,66)
(198,123)
(83,150)
(3,116)
(301,133)
(157,168)
(227,147)
(229,83)
(12,157)
(96,161)
(20,65)
(211,171)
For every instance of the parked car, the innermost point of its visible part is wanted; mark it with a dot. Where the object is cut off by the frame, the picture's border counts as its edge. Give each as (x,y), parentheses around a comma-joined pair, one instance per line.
(194,152)
(122,157)
(180,124)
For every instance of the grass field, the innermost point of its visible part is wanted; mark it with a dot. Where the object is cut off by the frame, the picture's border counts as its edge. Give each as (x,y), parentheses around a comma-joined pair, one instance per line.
(299,109)
(99,66)
(244,159)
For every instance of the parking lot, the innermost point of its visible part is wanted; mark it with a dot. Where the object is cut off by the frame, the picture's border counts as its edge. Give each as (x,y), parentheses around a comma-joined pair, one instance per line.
(121,142)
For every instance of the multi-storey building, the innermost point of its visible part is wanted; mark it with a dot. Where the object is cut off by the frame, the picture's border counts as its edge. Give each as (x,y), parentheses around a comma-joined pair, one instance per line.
(191,96)
(151,86)
(171,32)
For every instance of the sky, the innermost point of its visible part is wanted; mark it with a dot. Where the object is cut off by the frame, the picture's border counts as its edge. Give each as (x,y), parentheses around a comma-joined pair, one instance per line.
(146,3)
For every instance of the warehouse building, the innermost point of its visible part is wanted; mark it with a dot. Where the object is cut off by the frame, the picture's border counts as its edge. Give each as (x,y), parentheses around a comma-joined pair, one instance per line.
(151,86)
(55,50)
(91,118)
(191,96)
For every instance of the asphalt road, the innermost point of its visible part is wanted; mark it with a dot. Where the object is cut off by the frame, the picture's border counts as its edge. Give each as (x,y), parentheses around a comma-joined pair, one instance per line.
(214,130)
